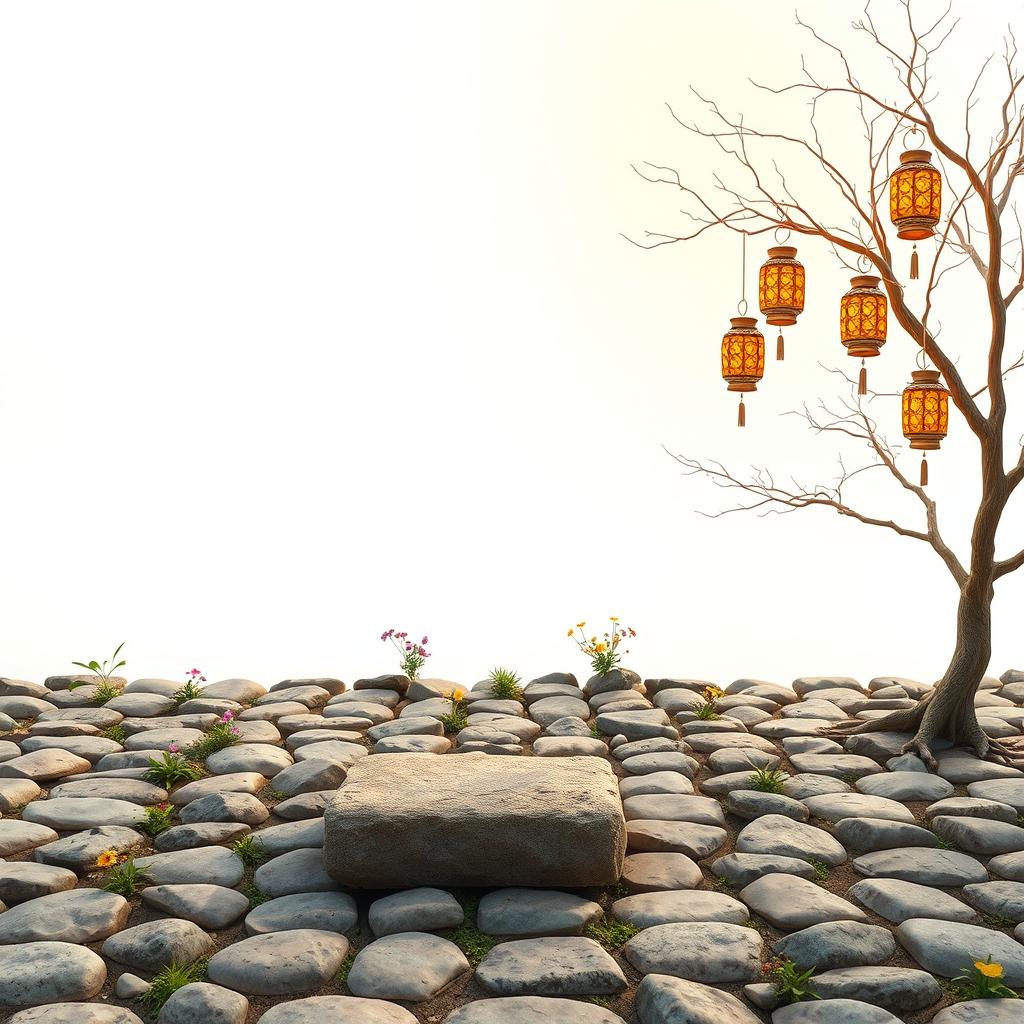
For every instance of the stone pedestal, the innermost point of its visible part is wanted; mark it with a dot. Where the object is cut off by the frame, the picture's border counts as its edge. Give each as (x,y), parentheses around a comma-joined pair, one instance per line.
(405,820)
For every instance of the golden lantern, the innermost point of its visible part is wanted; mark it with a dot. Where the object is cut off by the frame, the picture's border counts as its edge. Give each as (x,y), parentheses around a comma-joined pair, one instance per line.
(742,358)
(925,415)
(915,199)
(780,290)
(862,322)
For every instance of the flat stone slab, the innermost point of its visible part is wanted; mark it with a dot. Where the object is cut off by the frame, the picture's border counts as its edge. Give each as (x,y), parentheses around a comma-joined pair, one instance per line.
(500,819)
(869,834)
(527,1010)
(777,835)
(20,836)
(653,872)
(200,1001)
(715,954)
(321,911)
(530,912)
(900,901)
(78,852)
(849,1011)
(71,814)
(209,906)
(78,915)
(836,806)
(411,966)
(743,868)
(75,1013)
(645,910)
(279,963)
(685,837)
(415,910)
(928,867)
(837,944)
(1006,899)
(156,944)
(212,864)
(664,1000)
(32,973)
(790,903)
(981,836)
(25,880)
(978,1011)
(946,950)
(897,989)
(551,967)
(337,1010)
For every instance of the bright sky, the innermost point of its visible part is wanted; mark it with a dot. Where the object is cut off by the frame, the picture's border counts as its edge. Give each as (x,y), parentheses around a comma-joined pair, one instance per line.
(315,319)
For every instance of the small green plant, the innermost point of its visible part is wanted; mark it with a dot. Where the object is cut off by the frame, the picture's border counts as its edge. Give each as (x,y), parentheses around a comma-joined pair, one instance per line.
(505,684)
(604,1001)
(171,768)
(943,844)
(191,690)
(604,652)
(115,733)
(100,669)
(219,736)
(249,850)
(346,966)
(791,984)
(126,878)
(595,732)
(104,692)
(707,711)
(983,980)
(473,942)
(820,869)
(158,819)
(612,934)
(414,655)
(168,981)
(458,718)
(255,895)
(767,780)
(722,883)
(276,794)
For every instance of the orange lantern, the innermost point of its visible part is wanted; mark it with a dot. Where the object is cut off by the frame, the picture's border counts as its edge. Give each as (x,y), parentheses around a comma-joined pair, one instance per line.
(915,199)
(743,358)
(780,290)
(862,322)
(925,414)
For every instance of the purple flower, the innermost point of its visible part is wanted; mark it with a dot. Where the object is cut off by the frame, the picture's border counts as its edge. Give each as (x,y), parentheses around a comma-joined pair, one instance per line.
(227,716)
(173,748)
(424,640)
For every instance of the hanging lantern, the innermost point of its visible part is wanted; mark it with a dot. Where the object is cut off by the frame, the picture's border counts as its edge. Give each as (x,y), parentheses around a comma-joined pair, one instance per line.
(743,358)
(925,415)
(915,199)
(862,322)
(780,290)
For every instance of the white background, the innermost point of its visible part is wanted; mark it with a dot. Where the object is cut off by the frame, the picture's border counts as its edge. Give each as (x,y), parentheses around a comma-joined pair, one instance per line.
(315,319)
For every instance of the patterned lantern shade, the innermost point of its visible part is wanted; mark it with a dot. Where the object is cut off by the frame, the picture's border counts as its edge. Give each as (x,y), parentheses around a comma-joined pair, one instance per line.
(925,414)
(915,195)
(780,286)
(780,291)
(743,358)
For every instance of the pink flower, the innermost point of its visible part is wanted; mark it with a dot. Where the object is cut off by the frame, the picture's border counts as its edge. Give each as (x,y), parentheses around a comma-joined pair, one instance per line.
(424,640)
(173,748)
(234,730)
(227,716)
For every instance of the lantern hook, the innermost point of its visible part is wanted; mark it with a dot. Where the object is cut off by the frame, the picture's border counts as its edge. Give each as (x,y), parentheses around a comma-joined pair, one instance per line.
(741,306)
(912,130)
(782,235)
(863,263)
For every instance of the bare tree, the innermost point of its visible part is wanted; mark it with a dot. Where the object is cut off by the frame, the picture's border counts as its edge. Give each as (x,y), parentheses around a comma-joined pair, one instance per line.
(980,229)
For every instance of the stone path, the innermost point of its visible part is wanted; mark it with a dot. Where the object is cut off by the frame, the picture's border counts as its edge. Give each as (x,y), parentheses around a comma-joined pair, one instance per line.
(853,860)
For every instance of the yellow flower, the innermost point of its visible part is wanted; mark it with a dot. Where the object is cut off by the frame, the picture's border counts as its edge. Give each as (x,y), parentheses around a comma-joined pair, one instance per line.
(580,625)
(614,618)
(457,694)
(989,970)
(600,648)
(569,633)
(107,859)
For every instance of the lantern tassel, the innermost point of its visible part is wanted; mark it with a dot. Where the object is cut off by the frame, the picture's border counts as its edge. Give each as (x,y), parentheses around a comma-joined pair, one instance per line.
(862,382)
(780,348)
(924,470)
(913,264)
(742,418)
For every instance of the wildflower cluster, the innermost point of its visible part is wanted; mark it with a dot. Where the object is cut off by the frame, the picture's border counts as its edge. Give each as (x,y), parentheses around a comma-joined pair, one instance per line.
(984,980)
(220,735)
(458,718)
(124,877)
(191,690)
(602,651)
(708,710)
(414,655)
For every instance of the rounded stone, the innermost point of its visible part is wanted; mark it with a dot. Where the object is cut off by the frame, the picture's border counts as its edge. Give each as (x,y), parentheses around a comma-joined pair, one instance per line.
(279,963)
(75,1013)
(412,966)
(78,915)
(531,1010)
(666,1000)
(535,912)
(318,911)
(567,966)
(714,954)
(32,973)
(202,1003)
(155,944)
(209,906)
(337,1010)
(653,872)
(415,910)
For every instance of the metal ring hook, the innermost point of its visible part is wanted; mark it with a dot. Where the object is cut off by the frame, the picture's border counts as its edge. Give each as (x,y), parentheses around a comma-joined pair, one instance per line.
(863,263)
(785,233)
(741,307)
(912,130)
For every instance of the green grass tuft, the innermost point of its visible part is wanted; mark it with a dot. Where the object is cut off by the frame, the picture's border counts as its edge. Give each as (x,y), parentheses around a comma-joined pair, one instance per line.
(115,733)
(126,879)
(505,684)
(820,869)
(158,819)
(346,965)
(612,934)
(255,895)
(168,981)
(171,769)
(767,780)
(249,850)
